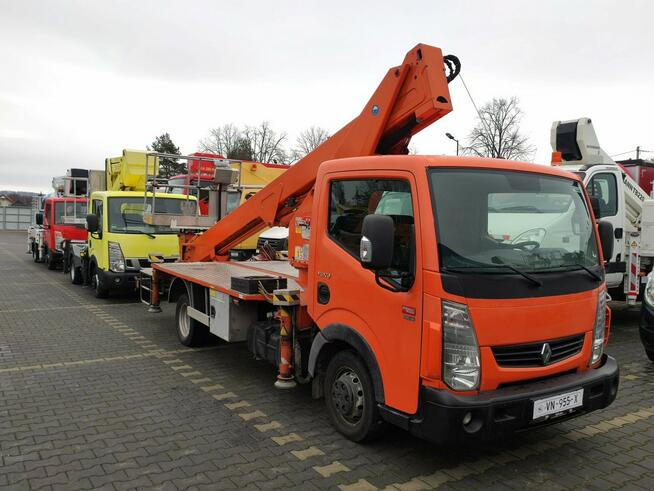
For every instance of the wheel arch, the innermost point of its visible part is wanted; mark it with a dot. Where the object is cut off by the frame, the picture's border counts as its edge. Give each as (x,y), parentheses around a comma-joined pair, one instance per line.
(337,337)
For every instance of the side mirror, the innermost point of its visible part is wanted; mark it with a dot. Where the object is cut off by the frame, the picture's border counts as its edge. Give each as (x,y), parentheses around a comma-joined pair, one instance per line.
(39,218)
(92,223)
(595,204)
(377,236)
(605,230)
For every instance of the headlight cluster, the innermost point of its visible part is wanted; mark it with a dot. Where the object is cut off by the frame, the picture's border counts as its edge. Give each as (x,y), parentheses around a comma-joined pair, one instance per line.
(600,325)
(461,367)
(116,258)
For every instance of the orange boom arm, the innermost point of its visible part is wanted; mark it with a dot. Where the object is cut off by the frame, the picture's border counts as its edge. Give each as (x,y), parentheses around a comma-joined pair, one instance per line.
(409,98)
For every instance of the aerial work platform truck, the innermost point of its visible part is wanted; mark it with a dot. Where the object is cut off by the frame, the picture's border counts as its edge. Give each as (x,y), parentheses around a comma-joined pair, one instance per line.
(61,218)
(401,300)
(619,200)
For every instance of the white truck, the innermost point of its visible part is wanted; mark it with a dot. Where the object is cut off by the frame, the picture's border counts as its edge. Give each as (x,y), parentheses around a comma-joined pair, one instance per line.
(618,199)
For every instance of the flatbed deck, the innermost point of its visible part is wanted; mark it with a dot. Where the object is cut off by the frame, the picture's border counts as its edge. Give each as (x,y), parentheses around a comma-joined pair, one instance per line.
(218,275)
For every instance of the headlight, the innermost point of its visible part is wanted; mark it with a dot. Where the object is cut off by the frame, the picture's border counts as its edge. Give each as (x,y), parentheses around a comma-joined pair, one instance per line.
(116,258)
(533,235)
(648,295)
(59,238)
(461,370)
(600,325)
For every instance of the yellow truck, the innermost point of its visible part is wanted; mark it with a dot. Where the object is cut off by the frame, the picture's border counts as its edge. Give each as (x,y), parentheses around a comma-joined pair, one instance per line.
(119,243)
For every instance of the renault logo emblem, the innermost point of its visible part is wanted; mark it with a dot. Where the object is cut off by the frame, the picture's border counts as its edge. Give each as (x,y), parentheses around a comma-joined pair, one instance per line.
(546,353)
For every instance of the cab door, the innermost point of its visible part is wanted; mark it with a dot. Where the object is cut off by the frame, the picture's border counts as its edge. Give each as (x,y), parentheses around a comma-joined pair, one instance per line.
(48,221)
(386,313)
(605,186)
(97,248)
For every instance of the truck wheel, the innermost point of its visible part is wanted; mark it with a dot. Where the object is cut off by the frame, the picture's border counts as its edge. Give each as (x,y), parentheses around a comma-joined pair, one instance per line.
(350,398)
(650,354)
(51,261)
(98,288)
(75,273)
(189,331)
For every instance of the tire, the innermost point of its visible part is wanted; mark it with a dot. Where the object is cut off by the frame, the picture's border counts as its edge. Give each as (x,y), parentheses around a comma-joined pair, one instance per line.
(189,331)
(98,288)
(75,273)
(50,261)
(650,354)
(350,398)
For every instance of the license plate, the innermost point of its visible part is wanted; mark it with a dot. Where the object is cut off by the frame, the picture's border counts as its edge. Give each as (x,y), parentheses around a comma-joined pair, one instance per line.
(556,404)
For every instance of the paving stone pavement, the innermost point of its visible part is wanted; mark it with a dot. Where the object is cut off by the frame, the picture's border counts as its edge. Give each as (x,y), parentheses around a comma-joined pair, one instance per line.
(100,394)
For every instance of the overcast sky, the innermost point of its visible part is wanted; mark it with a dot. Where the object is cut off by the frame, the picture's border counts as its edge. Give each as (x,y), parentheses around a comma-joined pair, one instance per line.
(81,80)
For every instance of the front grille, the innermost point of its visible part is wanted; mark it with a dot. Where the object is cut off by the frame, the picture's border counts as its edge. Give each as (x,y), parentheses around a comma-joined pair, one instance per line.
(530,355)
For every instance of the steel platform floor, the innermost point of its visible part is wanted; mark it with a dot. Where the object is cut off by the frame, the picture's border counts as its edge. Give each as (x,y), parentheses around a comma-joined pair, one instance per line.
(218,275)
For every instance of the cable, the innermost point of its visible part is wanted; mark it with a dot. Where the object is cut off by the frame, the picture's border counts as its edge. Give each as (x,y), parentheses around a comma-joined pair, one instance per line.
(483,121)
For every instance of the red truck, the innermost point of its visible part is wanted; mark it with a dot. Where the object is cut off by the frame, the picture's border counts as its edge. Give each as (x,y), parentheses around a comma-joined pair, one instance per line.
(62,218)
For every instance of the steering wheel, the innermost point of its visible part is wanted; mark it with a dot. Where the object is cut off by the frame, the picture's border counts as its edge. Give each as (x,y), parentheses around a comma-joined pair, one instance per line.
(523,245)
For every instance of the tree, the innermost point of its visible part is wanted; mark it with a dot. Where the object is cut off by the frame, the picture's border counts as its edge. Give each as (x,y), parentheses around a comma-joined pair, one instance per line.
(497,132)
(224,140)
(308,140)
(167,166)
(257,143)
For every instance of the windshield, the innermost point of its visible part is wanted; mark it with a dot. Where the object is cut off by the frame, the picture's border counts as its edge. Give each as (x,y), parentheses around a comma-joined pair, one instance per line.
(126,214)
(496,220)
(70,213)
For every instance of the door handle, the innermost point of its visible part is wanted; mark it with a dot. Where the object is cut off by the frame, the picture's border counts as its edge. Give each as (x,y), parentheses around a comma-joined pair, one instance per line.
(323,294)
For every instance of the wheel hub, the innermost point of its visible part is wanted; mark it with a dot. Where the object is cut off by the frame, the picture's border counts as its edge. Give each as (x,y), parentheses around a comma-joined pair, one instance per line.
(347,394)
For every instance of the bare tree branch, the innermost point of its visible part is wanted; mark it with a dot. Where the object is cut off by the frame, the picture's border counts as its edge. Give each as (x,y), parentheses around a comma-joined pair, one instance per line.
(256,143)
(310,139)
(497,132)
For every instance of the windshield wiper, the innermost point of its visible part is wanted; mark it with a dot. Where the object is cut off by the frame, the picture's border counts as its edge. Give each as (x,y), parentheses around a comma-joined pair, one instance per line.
(470,269)
(587,270)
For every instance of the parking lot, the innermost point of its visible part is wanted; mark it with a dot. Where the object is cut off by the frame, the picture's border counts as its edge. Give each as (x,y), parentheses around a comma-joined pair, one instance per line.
(100,394)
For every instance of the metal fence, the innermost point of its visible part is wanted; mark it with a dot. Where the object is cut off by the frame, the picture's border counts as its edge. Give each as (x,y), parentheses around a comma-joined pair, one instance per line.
(16,217)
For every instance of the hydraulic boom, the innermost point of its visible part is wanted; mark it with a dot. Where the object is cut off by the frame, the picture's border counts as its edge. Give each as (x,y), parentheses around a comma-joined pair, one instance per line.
(409,98)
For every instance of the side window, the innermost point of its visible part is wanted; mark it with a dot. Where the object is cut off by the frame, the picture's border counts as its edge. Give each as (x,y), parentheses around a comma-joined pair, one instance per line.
(350,202)
(97,210)
(605,188)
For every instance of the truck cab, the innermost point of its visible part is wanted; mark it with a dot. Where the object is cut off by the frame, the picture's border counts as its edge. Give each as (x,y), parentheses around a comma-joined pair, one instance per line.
(62,217)
(473,325)
(119,243)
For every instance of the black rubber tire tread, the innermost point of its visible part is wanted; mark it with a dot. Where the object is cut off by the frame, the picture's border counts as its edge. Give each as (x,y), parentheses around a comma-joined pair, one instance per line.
(50,262)
(370,425)
(98,290)
(75,273)
(198,333)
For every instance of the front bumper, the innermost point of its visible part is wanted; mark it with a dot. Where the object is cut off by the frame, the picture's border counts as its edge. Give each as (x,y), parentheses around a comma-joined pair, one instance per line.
(509,409)
(119,281)
(646,326)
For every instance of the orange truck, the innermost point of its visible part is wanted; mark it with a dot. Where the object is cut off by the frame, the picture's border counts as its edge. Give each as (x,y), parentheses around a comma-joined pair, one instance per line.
(412,295)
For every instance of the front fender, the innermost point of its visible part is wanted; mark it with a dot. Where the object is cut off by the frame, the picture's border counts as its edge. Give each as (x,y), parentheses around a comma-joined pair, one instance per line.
(345,334)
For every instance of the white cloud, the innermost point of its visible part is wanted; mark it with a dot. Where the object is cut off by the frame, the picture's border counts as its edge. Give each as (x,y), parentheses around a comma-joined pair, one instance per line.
(83,79)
